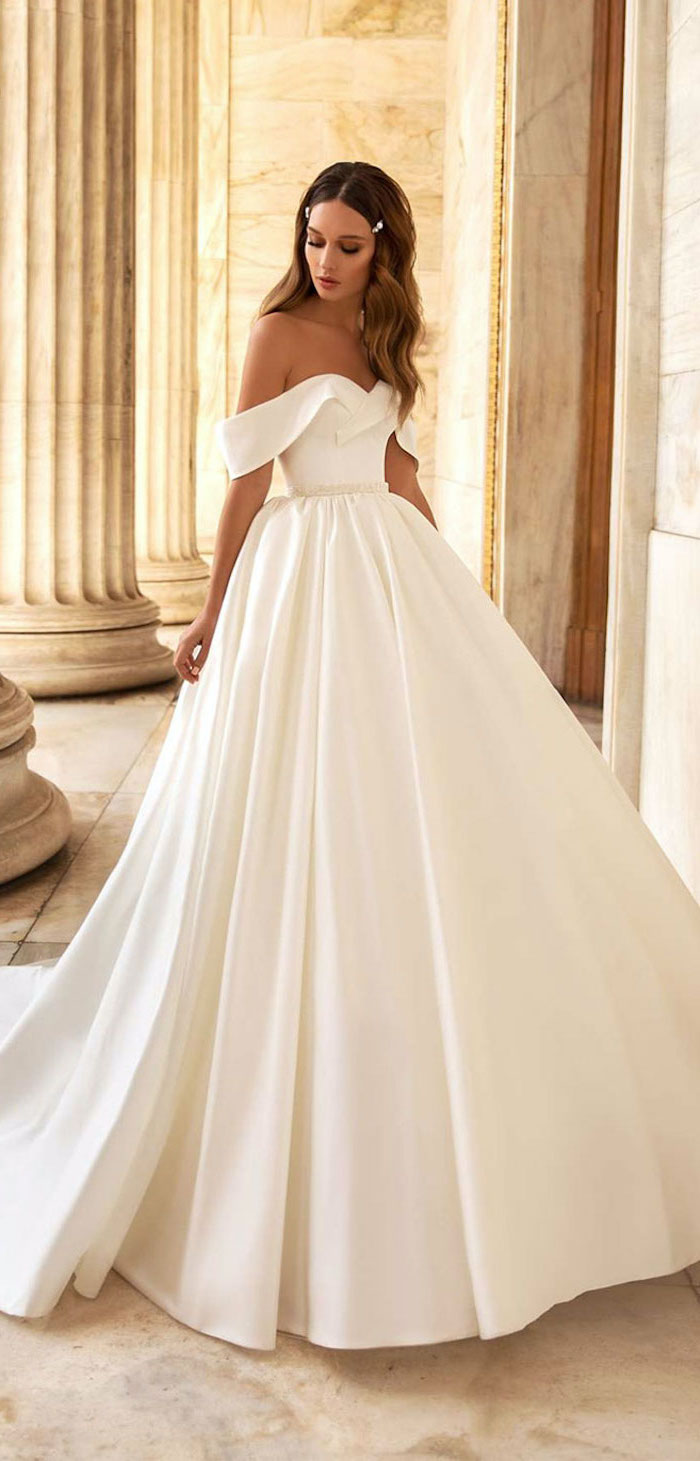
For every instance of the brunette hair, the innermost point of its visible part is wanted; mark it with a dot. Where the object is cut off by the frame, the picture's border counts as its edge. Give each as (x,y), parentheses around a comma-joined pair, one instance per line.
(394,327)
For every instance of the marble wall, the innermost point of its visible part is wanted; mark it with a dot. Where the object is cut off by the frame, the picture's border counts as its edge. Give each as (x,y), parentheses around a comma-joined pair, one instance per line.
(545,319)
(304,86)
(670,768)
(461,423)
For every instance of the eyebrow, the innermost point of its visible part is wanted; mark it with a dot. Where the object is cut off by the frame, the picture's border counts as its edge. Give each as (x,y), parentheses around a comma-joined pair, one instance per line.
(340,235)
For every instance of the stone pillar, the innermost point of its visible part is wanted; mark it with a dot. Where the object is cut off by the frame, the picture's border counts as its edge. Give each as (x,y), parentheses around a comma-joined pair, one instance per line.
(635,437)
(35,817)
(72,618)
(169,567)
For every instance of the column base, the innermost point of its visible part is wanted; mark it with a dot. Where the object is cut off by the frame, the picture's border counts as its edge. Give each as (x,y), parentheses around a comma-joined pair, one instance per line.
(35,817)
(87,661)
(179,589)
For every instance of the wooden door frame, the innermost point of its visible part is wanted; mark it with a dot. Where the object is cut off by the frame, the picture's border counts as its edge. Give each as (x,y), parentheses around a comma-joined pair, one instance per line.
(496,409)
(585,643)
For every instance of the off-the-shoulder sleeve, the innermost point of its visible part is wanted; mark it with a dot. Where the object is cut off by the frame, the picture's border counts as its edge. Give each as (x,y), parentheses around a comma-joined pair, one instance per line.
(406,437)
(258,434)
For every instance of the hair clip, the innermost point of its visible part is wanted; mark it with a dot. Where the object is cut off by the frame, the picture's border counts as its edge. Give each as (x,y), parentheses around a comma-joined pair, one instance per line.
(379,224)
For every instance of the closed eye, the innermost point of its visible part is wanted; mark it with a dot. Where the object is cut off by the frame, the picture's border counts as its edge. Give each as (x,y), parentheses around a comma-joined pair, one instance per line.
(313,245)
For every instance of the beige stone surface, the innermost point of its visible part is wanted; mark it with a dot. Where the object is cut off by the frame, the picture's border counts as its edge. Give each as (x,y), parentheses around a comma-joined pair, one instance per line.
(682,181)
(102,749)
(90,743)
(545,322)
(670,767)
(31,951)
(34,814)
(169,567)
(550,50)
(553,89)
(633,484)
(678,458)
(73,897)
(22,899)
(670,774)
(677,12)
(214,156)
(680,291)
(137,779)
(542,430)
(463,343)
(613,1374)
(302,88)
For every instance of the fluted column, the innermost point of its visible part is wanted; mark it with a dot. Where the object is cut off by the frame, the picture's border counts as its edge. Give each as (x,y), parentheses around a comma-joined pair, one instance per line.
(72,618)
(169,567)
(35,817)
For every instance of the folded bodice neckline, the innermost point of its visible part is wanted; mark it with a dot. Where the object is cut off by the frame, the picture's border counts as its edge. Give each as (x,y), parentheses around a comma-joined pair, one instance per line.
(336,375)
(344,444)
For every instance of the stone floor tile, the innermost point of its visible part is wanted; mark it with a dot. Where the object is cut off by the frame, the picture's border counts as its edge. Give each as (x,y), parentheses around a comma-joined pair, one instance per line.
(612,1374)
(138,777)
(30,952)
(73,897)
(90,742)
(22,899)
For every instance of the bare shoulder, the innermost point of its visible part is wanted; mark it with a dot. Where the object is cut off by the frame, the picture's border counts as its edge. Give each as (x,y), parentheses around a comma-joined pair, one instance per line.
(268,359)
(272,329)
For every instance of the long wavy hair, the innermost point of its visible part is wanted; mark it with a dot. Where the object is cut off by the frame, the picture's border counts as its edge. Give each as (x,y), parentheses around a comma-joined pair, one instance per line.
(394,325)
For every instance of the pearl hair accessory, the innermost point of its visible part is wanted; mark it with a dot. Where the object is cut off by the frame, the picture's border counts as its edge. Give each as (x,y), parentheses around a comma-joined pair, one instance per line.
(379,224)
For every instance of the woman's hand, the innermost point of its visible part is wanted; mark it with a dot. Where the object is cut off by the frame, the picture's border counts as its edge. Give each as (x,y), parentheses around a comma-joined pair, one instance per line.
(199,633)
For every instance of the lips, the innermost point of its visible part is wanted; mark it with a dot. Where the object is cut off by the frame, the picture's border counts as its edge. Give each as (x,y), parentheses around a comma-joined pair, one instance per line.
(323,279)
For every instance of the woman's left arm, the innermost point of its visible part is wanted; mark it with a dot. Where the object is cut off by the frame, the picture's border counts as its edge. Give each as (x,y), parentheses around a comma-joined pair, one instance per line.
(400,473)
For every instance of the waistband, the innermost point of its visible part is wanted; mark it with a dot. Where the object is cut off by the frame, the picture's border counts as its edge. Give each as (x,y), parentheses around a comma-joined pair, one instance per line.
(300,489)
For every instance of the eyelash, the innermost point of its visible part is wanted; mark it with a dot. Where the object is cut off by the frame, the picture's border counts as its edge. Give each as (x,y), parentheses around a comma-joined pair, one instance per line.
(313,245)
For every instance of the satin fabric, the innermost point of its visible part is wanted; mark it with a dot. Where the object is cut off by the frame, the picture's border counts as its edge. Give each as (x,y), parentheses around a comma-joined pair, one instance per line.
(385,1027)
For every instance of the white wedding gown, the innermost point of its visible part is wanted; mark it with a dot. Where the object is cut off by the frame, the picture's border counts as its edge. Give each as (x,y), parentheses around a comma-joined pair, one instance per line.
(385,1027)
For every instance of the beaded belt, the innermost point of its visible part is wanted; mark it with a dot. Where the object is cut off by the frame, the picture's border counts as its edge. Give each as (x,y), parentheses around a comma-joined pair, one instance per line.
(298,489)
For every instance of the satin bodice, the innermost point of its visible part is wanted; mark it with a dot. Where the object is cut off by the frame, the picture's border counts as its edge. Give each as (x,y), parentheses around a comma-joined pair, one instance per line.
(329,433)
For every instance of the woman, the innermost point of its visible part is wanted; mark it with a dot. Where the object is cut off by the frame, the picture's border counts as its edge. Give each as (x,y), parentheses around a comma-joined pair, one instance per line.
(385,1028)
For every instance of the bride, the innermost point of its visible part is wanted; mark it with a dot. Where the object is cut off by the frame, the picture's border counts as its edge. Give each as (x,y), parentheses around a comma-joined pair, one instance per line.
(385,1027)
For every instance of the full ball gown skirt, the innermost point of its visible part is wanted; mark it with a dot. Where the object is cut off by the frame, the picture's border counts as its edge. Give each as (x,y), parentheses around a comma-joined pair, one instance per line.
(385,1027)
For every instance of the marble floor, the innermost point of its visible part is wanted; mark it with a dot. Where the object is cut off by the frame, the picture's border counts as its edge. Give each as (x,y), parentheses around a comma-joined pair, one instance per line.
(613,1373)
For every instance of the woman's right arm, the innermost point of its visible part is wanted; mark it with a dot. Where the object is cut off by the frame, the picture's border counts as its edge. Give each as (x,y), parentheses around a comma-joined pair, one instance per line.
(265,370)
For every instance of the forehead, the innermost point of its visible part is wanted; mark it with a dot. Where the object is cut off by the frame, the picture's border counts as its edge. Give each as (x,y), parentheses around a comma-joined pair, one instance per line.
(337,220)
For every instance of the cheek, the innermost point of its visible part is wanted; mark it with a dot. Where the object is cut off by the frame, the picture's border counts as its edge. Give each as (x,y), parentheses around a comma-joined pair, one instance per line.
(359,265)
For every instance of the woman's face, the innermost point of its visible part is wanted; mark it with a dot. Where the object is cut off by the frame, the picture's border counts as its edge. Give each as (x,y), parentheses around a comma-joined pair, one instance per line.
(339,246)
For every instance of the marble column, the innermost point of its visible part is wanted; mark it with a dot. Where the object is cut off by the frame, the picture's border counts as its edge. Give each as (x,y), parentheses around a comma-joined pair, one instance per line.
(72,618)
(35,817)
(635,437)
(669,778)
(169,567)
